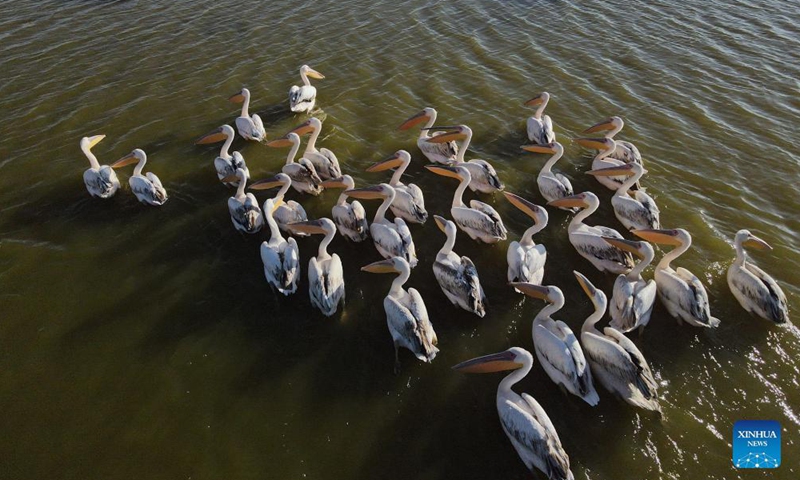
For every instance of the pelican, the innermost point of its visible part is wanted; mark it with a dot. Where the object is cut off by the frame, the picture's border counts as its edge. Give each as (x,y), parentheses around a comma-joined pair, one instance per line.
(435,152)
(633,298)
(615,361)
(226,163)
(301,99)
(325,162)
(350,218)
(625,151)
(280,257)
(602,160)
(480,221)
(552,186)
(409,203)
(406,315)
(147,187)
(525,258)
(484,177)
(245,213)
(556,346)
(457,275)
(588,240)
(303,174)
(679,290)
(285,212)
(250,127)
(638,211)
(540,128)
(101,181)
(392,239)
(524,421)
(755,290)
(325,274)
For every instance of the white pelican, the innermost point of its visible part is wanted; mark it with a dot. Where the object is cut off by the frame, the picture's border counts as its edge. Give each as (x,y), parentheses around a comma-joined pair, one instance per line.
(392,239)
(245,213)
(638,211)
(325,162)
(755,290)
(286,212)
(524,421)
(301,99)
(556,347)
(226,163)
(540,128)
(350,218)
(552,186)
(303,174)
(435,152)
(409,202)
(101,181)
(625,151)
(483,175)
(457,275)
(325,274)
(525,258)
(615,361)
(147,187)
(633,298)
(679,290)
(603,159)
(250,127)
(406,315)
(280,257)
(480,221)
(588,240)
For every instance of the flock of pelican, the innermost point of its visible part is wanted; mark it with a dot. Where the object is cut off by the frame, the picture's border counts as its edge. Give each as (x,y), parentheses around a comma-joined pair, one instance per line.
(574,362)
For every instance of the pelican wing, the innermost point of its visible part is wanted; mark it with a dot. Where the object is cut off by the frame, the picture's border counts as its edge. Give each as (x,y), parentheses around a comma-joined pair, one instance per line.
(351,220)
(637,212)
(588,242)
(760,288)
(407,330)
(302,98)
(643,377)
(624,316)
(273,265)
(492,218)
(685,290)
(582,372)
(326,283)
(407,242)
(325,163)
(438,152)
(417,308)
(290,212)
(518,270)
(484,176)
(101,183)
(409,203)
(541,131)
(627,152)
(556,353)
(146,191)
(291,266)
(258,127)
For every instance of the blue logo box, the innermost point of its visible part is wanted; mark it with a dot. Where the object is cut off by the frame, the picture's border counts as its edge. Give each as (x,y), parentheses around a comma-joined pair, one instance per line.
(756,444)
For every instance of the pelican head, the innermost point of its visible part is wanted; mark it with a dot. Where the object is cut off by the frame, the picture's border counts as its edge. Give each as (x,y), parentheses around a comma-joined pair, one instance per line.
(310,72)
(602,144)
(384,190)
(137,155)
(287,140)
(395,160)
(537,213)
(597,297)
(677,236)
(580,200)
(552,148)
(461,173)
(445,225)
(240,97)
(642,250)
(238,175)
(423,116)
(550,294)
(322,226)
(511,359)
(626,169)
(612,123)
(278,180)
(219,134)
(345,181)
(308,126)
(390,265)
(540,99)
(458,132)
(88,142)
(747,239)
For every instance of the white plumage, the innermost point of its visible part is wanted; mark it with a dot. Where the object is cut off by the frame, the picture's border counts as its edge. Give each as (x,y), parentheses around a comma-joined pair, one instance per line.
(281,257)
(325,273)
(302,172)
(226,163)
(525,258)
(409,203)
(457,275)
(147,187)
(100,181)
(756,291)
(435,152)
(302,98)
(250,126)
(245,212)
(325,162)
(350,218)
(633,298)
(540,127)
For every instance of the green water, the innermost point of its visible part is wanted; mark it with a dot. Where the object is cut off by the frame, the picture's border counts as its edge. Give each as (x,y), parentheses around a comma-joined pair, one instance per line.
(140,342)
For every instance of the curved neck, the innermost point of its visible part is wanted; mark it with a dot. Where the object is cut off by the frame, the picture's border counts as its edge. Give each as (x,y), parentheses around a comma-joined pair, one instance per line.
(92,159)
(450,242)
(431,121)
(312,141)
(599,311)
(581,216)
(322,253)
(675,253)
(549,310)
(140,166)
(380,214)
(463,147)
(223,152)
(604,153)
(552,161)
(282,191)
(458,197)
(240,188)
(246,104)
(397,284)
(275,232)
(304,78)
(342,199)
(395,180)
(614,131)
(636,272)
(512,378)
(540,110)
(527,237)
(627,184)
(292,153)
(741,255)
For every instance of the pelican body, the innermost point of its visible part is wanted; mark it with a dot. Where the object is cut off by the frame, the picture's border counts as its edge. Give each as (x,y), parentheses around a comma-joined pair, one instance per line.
(325,273)
(100,181)
(325,162)
(637,211)
(540,127)
(551,185)
(457,275)
(588,240)
(226,163)
(250,126)
(614,359)
(483,177)
(350,218)
(603,159)
(302,98)
(280,257)
(406,315)
(624,151)
(524,421)
(303,174)
(435,152)
(525,258)
(285,212)
(480,221)
(755,290)
(245,213)
(409,203)
(147,187)
(680,290)
(392,239)
(633,298)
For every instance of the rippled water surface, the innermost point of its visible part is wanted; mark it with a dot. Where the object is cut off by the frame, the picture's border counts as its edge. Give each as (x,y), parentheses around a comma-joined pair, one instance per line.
(141,342)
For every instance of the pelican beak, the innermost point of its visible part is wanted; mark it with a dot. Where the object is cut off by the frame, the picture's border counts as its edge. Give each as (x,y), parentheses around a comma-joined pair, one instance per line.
(666,237)
(531,290)
(392,161)
(236,98)
(496,362)
(587,286)
(95,139)
(310,226)
(314,74)
(303,128)
(231,179)
(444,171)
(530,209)
(126,160)
(441,222)
(264,184)
(594,143)
(366,193)
(571,202)
(384,266)
(625,169)
(603,126)
(213,136)
(449,135)
(334,183)
(631,246)
(280,142)
(548,148)
(536,101)
(416,119)
(277,204)
(757,243)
